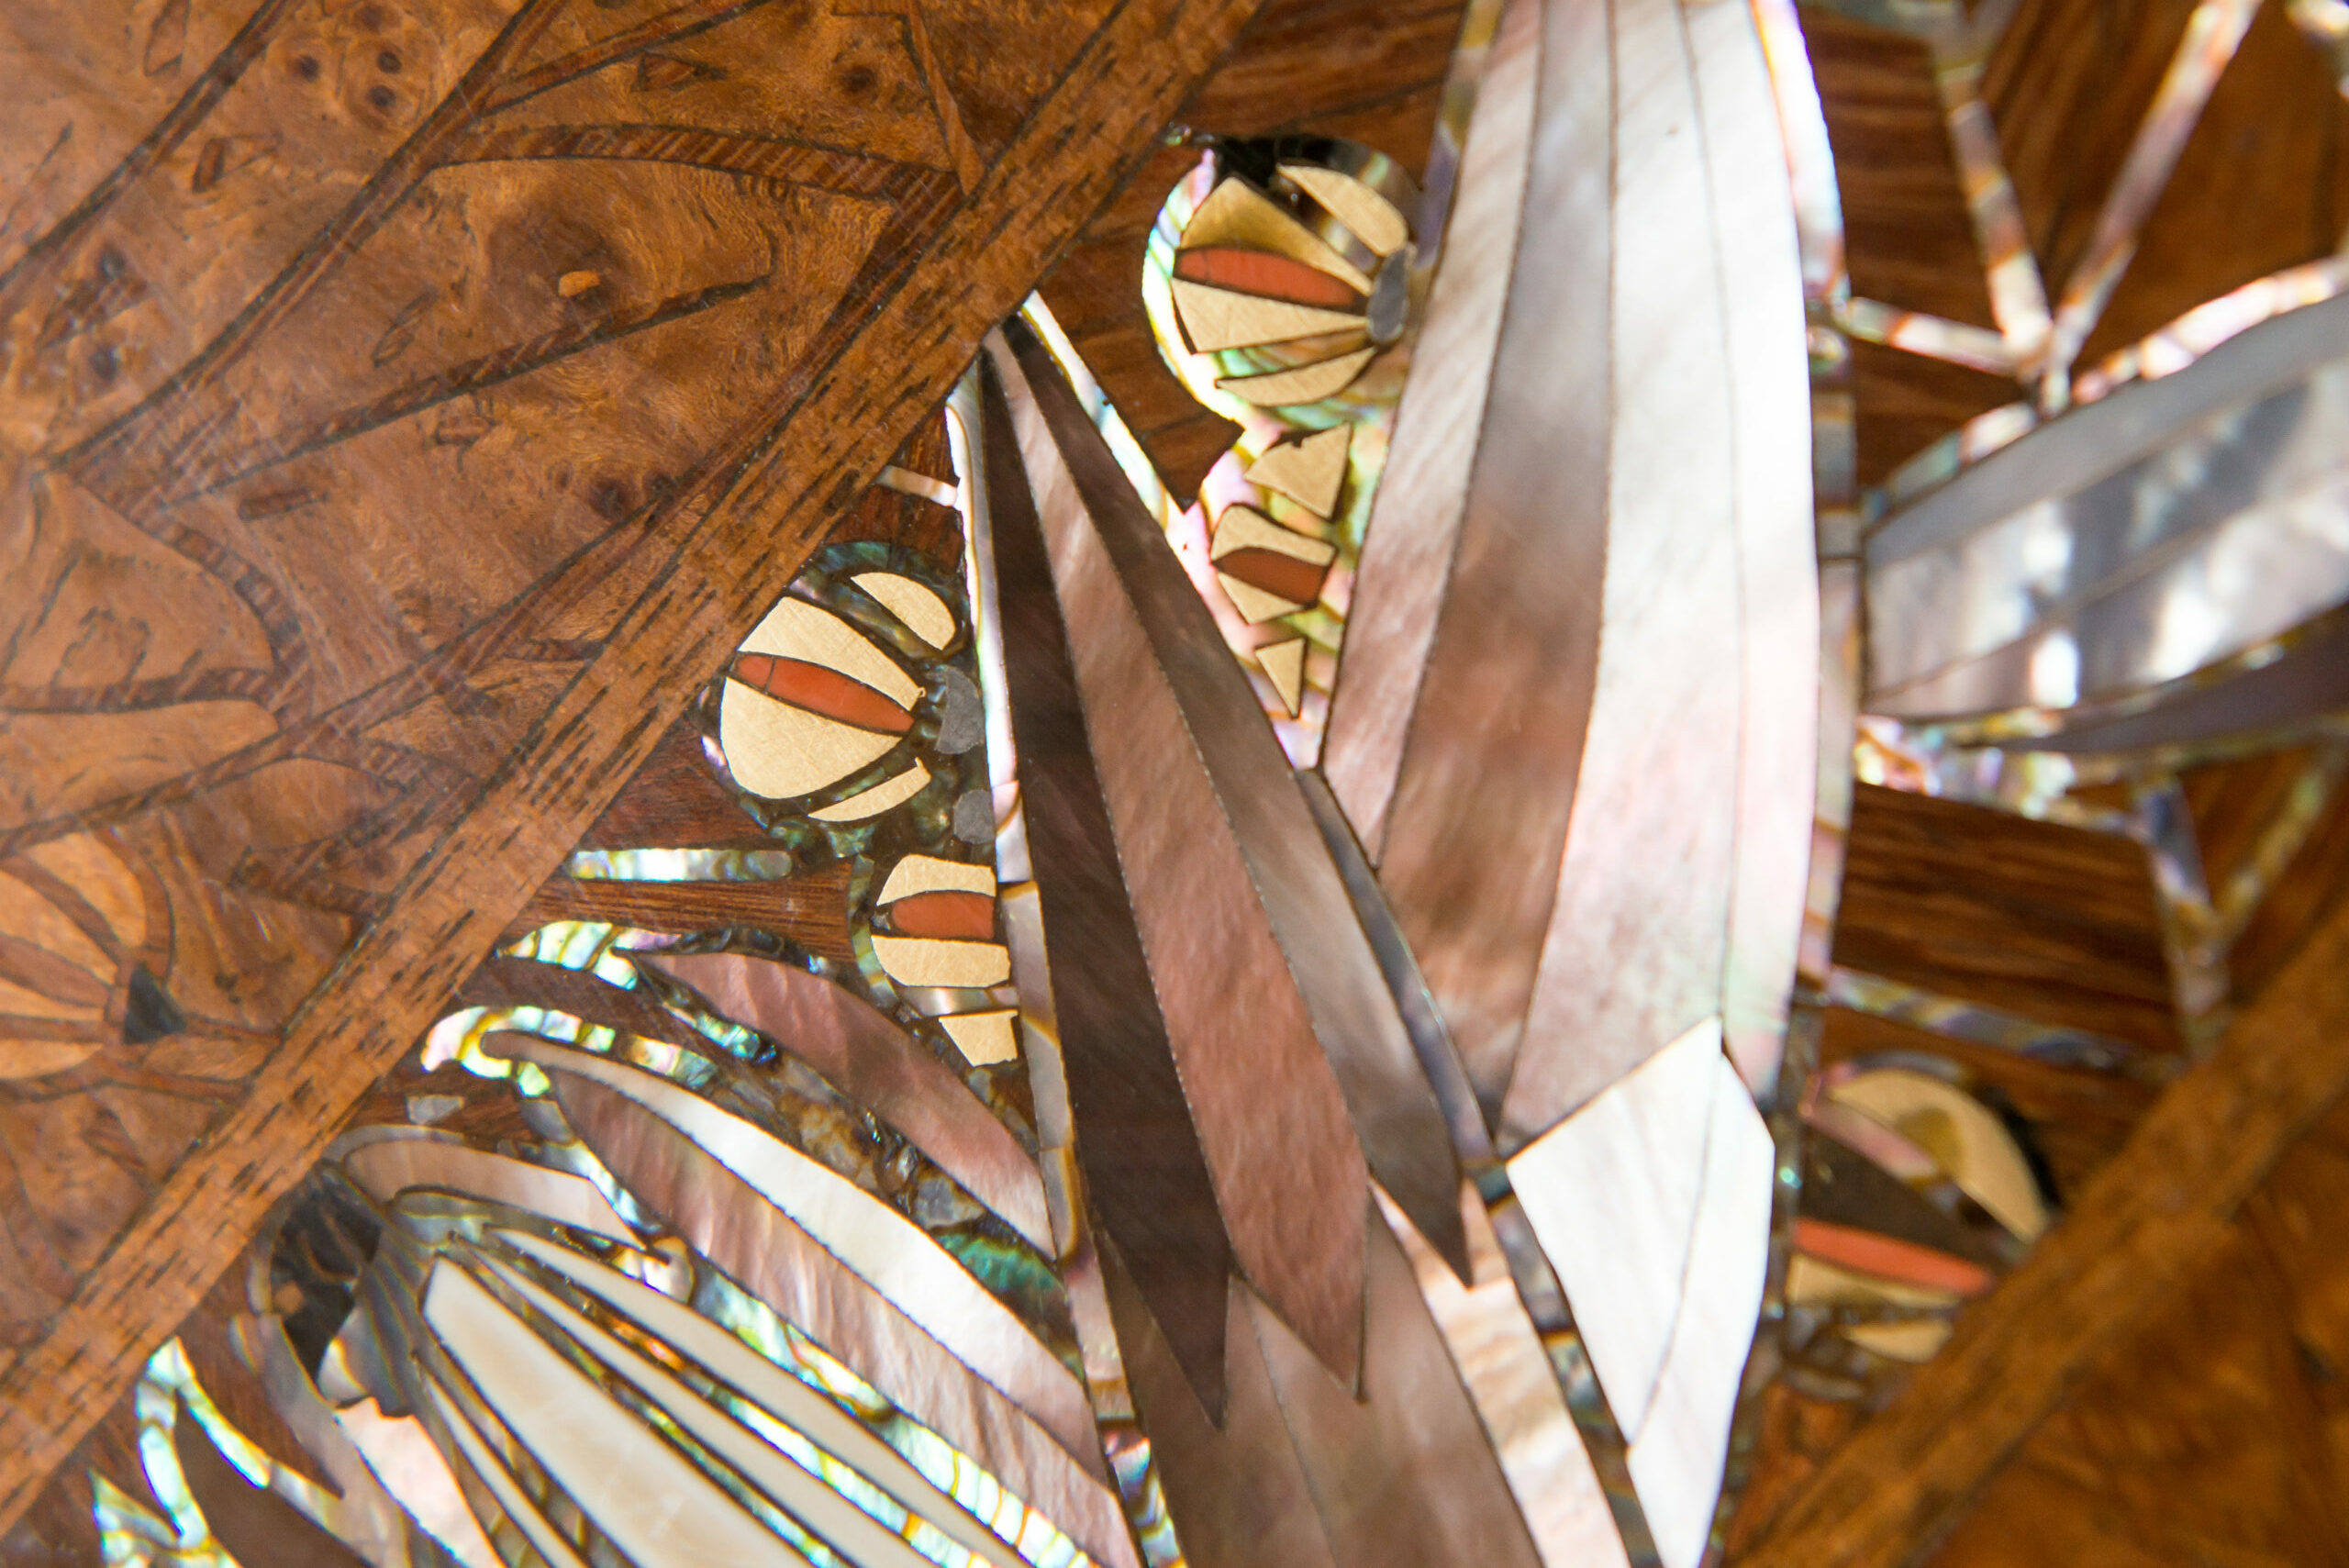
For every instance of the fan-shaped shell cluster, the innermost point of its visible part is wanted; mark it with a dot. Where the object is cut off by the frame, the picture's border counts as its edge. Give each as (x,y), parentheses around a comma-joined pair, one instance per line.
(939,920)
(810,700)
(1925,1132)
(1250,275)
(1292,290)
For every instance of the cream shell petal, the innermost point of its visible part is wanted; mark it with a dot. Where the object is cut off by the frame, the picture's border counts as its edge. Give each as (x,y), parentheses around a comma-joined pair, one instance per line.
(924,613)
(778,750)
(797,630)
(929,960)
(930,874)
(1306,384)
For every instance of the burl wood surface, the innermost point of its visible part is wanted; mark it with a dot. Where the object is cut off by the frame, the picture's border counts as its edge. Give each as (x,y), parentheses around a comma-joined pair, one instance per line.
(407,403)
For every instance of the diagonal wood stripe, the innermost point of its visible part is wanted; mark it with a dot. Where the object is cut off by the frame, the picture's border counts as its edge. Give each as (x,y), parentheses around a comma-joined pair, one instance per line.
(667,27)
(2144,1221)
(771,158)
(895,367)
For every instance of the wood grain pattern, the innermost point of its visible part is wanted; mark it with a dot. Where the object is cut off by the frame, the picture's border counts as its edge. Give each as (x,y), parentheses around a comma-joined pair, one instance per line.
(810,910)
(2235,803)
(1903,403)
(2211,1435)
(2316,880)
(2157,1216)
(2066,87)
(1795,1434)
(1907,237)
(60,1529)
(674,801)
(313,416)
(2217,1429)
(2058,924)
(2198,1437)
(2075,1120)
(2262,184)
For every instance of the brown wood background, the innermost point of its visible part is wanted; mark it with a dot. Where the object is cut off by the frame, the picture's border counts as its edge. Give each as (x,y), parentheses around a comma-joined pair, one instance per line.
(404,404)
(408,405)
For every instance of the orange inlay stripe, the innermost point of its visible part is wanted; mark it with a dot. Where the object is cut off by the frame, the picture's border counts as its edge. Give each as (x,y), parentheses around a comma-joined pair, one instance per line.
(1262,272)
(821,691)
(947,915)
(1904,1261)
(1299,582)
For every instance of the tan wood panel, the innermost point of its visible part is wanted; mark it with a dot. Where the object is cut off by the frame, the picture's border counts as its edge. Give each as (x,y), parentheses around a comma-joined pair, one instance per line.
(2262,184)
(2066,87)
(1908,240)
(2055,923)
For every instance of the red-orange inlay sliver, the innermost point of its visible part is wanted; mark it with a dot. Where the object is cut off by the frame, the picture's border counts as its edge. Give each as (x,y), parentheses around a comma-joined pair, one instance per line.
(1298,582)
(1262,272)
(1905,1262)
(952,915)
(821,691)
